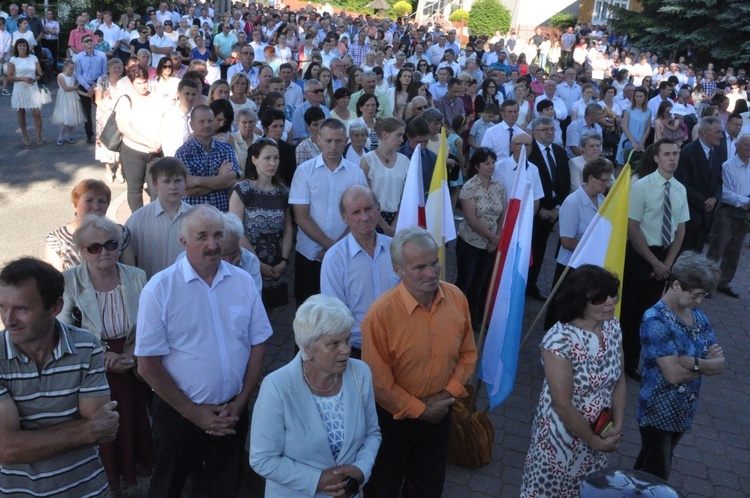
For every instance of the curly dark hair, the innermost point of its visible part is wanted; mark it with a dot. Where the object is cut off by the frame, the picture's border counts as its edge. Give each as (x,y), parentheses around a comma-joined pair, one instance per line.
(585,284)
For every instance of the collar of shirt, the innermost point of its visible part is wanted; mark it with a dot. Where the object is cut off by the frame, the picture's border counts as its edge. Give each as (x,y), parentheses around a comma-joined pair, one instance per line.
(411,304)
(320,163)
(64,346)
(354,247)
(706,148)
(189,273)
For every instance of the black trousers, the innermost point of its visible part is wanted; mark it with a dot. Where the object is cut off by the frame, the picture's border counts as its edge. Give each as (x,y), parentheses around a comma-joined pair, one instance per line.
(87,102)
(640,291)
(539,236)
(551,317)
(473,270)
(657,448)
(306,278)
(180,446)
(412,458)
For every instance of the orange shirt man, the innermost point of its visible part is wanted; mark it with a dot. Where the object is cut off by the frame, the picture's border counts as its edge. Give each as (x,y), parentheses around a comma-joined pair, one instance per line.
(419,344)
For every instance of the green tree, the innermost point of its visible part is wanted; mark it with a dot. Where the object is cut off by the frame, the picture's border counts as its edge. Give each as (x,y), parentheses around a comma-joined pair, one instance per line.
(488,16)
(713,30)
(402,8)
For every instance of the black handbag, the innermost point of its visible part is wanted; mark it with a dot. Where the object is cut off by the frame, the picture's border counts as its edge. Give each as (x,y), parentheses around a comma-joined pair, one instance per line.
(111,137)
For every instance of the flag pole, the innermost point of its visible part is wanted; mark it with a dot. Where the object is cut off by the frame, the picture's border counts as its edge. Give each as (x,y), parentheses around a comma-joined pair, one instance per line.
(483,329)
(545,305)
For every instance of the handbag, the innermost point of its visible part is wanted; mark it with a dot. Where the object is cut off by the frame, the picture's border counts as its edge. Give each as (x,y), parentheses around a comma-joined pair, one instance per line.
(111,137)
(46,97)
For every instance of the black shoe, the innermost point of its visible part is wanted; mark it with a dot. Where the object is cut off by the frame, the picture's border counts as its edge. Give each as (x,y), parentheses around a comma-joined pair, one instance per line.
(633,374)
(709,295)
(728,291)
(90,140)
(536,293)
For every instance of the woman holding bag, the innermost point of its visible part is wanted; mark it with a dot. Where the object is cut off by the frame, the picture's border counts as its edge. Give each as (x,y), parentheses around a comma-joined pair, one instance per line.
(571,433)
(139,120)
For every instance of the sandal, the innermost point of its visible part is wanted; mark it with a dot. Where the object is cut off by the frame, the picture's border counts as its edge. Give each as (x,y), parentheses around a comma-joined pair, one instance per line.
(71,140)
(59,142)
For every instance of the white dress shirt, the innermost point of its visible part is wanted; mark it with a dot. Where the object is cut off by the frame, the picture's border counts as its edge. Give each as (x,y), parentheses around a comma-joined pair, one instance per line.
(498,139)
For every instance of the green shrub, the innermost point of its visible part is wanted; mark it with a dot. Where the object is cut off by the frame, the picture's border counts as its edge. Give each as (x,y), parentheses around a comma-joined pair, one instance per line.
(562,21)
(488,16)
(459,15)
(402,8)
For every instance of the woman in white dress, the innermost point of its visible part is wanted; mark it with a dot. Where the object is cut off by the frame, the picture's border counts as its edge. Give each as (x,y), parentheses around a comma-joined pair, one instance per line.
(386,170)
(24,33)
(24,71)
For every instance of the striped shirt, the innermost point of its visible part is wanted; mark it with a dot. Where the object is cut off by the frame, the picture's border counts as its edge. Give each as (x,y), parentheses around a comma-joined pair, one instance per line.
(49,398)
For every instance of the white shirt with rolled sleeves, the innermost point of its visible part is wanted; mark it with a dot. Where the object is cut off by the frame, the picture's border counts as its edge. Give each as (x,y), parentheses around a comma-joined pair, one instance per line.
(350,274)
(320,188)
(203,334)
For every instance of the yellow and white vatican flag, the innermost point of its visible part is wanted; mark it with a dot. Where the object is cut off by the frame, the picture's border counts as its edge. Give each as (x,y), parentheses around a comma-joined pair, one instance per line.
(438,210)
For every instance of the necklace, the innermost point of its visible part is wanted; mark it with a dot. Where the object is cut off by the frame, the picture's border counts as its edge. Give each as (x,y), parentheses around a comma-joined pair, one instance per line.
(384,159)
(304,375)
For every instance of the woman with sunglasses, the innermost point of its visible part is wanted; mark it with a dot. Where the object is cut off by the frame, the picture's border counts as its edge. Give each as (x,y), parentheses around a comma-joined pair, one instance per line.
(101,296)
(141,42)
(582,404)
(425,74)
(88,197)
(679,348)
(164,84)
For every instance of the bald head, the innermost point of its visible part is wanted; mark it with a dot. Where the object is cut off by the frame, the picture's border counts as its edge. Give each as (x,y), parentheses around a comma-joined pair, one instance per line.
(360,210)
(550,87)
(416,103)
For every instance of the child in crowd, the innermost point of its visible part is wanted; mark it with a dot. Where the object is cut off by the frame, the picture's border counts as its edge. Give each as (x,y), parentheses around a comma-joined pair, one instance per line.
(480,126)
(103,45)
(68,112)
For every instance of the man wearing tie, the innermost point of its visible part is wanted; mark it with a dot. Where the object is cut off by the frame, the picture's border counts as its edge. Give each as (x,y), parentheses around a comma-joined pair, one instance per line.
(656,227)
(499,137)
(699,170)
(555,174)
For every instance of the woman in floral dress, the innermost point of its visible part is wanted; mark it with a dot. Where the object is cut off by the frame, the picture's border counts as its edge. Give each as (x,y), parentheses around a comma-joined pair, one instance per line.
(106,93)
(582,357)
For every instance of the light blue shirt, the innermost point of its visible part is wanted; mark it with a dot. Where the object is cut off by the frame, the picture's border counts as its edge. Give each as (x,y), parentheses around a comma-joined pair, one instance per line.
(90,67)
(298,121)
(735,177)
(576,130)
(576,214)
(350,274)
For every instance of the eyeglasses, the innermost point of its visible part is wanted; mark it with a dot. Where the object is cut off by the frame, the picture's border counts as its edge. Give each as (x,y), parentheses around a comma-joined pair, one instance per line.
(247,53)
(600,299)
(96,247)
(420,108)
(319,90)
(606,181)
(697,295)
(89,40)
(544,130)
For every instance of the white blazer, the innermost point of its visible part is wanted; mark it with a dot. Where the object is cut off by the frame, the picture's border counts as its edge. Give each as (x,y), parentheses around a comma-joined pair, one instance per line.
(289,441)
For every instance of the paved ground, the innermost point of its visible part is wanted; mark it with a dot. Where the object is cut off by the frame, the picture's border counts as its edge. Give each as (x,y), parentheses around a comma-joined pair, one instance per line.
(713,459)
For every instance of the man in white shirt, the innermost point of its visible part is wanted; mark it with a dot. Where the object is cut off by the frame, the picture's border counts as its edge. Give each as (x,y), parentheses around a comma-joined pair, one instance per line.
(258,46)
(206,18)
(437,51)
(244,65)
(550,89)
(653,105)
(200,418)
(578,128)
(505,169)
(175,125)
(641,70)
(292,91)
(450,62)
(316,190)
(111,32)
(163,14)
(570,93)
(500,137)
(160,44)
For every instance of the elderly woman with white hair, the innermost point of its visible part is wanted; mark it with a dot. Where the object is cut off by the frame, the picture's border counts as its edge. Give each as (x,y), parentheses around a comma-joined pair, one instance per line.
(246,121)
(315,429)
(358,145)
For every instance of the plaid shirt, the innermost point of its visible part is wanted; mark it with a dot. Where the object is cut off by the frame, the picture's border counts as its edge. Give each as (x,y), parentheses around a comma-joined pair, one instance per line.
(709,88)
(202,163)
(358,52)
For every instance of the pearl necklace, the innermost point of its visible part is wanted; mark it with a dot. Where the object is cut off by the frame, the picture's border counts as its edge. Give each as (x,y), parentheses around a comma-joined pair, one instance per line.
(304,375)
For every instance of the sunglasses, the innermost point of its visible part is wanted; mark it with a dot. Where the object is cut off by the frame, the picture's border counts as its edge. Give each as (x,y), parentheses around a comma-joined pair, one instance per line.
(96,247)
(167,65)
(319,90)
(89,40)
(600,299)
(247,53)
(420,108)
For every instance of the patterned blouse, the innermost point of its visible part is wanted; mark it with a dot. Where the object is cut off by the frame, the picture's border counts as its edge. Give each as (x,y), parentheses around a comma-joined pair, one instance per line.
(663,405)
(489,204)
(332,412)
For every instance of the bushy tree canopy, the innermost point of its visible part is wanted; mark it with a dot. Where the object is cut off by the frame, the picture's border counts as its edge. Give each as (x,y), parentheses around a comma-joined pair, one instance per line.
(488,16)
(459,15)
(713,30)
(403,8)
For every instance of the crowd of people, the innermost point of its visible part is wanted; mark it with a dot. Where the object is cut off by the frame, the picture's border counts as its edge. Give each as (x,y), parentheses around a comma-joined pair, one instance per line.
(272,141)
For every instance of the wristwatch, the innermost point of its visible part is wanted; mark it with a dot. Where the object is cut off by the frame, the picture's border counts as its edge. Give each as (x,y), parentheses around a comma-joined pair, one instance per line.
(696,367)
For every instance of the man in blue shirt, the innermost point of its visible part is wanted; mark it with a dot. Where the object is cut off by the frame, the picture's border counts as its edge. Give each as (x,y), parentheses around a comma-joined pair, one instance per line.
(90,65)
